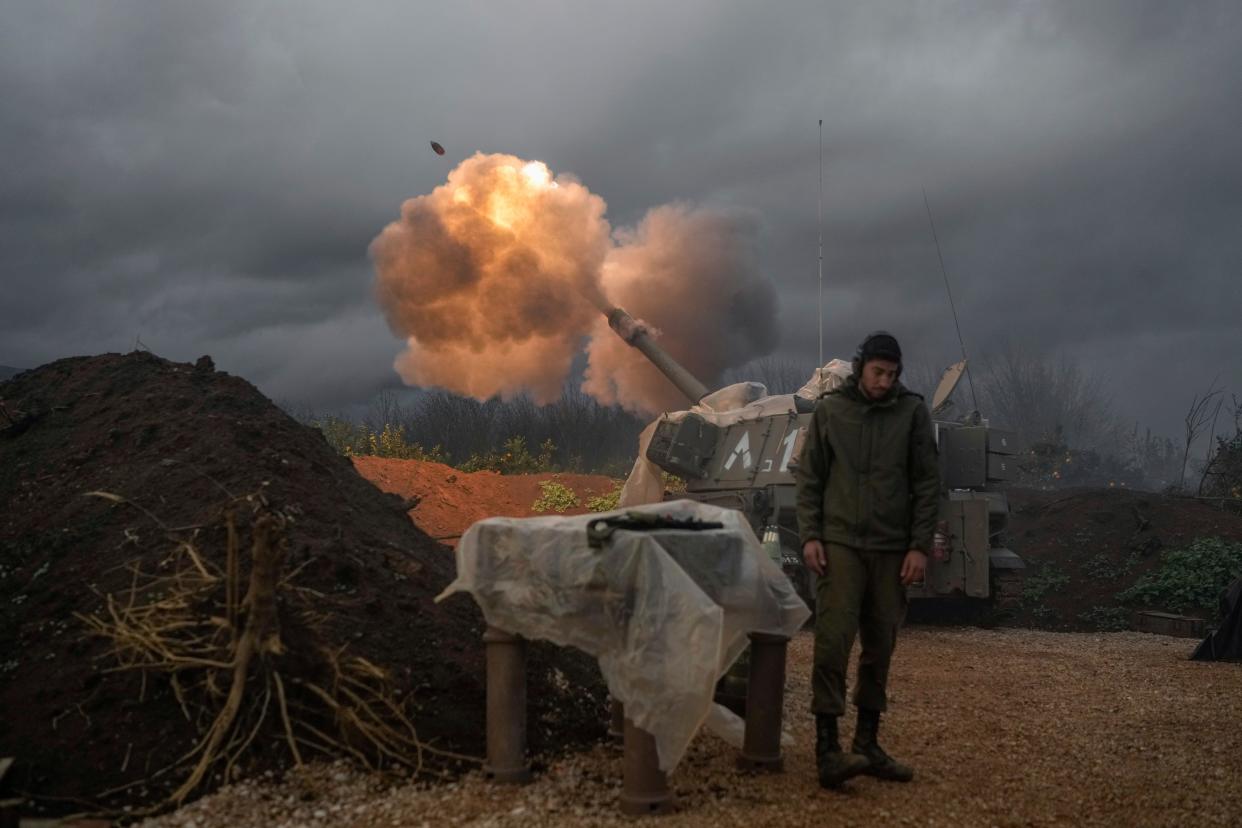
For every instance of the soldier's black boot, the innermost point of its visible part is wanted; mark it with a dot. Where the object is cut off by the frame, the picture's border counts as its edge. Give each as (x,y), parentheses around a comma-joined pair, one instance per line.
(879,764)
(834,766)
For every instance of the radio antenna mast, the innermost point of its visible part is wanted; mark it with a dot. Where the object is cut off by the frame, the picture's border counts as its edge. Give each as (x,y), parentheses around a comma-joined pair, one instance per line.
(945,274)
(821,242)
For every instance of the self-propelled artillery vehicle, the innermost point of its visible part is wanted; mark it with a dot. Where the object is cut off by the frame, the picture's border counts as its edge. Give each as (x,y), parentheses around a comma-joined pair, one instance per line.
(737,447)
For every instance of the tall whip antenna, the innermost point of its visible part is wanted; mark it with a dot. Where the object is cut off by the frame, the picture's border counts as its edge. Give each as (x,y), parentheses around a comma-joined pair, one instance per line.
(821,242)
(945,274)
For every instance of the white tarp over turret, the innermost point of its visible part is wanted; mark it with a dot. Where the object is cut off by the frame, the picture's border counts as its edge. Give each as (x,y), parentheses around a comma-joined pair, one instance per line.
(729,405)
(666,611)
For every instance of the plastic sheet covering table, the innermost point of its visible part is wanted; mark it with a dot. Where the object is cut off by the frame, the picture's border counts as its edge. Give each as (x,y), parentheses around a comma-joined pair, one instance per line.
(666,612)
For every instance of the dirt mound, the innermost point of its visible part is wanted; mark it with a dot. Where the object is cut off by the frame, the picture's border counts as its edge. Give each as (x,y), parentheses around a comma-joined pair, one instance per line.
(177,440)
(1084,546)
(449,500)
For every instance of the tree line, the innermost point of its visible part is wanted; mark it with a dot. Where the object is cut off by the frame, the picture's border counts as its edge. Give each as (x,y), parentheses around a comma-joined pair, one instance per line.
(576,433)
(1064,416)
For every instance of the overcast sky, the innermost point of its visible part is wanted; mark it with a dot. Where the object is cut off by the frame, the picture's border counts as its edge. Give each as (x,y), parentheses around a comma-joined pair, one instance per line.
(207,176)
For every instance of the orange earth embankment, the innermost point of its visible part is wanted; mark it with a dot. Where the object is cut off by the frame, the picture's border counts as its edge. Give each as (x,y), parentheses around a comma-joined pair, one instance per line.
(451,499)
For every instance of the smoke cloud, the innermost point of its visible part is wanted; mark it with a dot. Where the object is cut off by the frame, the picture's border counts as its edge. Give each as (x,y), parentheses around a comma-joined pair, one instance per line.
(492,278)
(497,278)
(693,276)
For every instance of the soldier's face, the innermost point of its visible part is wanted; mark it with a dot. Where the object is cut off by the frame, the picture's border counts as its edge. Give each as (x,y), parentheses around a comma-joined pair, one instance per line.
(878,376)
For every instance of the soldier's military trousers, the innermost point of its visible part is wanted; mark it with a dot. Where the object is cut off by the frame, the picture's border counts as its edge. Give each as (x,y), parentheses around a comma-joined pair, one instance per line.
(859,594)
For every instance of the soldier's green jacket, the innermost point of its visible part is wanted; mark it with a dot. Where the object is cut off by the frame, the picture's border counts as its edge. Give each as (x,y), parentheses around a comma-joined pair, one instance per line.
(868,476)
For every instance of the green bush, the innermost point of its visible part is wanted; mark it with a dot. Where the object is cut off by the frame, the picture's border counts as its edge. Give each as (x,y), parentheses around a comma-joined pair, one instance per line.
(1106,619)
(357,440)
(513,458)
(1191,578)
(1100,568)
(344,436)
(391,442)
(1044,615)
(555,497)
(1046,579)
(606,502)
(673,483)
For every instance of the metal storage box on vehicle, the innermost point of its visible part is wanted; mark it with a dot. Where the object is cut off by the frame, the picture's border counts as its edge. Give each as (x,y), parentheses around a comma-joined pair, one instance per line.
(968,459)
(963,457)
(1002,442)
(684,447)
(1000,466)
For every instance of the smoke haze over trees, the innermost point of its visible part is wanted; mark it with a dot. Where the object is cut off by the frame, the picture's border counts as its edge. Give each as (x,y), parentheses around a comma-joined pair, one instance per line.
(1063,415)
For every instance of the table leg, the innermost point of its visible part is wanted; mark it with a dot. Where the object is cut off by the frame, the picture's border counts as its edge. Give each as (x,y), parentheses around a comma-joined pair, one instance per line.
(616,723)
(765,698)
(506,707)
(644,790)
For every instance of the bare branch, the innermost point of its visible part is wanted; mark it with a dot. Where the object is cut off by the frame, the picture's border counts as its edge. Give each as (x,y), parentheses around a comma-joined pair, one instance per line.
(1196,418)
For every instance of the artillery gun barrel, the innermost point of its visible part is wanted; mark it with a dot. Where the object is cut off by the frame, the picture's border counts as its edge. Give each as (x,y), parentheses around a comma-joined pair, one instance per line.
(636,335)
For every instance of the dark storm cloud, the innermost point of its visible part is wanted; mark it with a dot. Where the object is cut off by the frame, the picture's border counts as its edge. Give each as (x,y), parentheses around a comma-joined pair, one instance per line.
(165,182)
(208,176)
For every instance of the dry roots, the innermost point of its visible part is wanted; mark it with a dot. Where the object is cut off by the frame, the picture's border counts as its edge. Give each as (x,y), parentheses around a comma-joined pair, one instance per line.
(222,655)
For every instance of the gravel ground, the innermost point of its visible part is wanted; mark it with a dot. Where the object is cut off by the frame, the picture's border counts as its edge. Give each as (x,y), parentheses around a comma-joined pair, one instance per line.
(1004,727)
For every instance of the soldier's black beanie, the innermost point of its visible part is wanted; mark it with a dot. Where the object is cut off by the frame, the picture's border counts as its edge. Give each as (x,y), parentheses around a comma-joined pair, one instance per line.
(879,345)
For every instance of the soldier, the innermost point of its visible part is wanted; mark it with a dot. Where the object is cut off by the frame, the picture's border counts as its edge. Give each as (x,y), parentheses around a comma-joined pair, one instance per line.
(868,490)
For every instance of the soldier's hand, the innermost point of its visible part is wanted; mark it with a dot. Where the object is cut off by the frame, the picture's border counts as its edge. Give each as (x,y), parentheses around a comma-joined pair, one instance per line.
(814,557)
(913,568)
